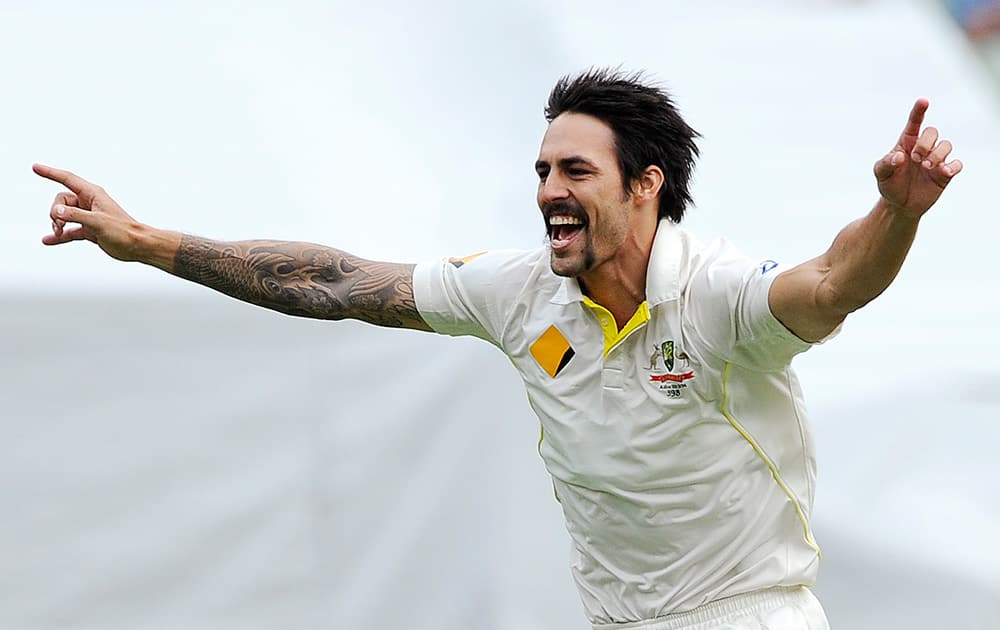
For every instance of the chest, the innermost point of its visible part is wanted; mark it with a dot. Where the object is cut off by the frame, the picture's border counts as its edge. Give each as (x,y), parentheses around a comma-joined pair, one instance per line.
(618,414)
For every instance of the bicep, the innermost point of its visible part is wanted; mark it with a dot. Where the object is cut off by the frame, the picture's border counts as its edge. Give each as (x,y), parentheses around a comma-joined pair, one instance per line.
(381,293)
(801,300)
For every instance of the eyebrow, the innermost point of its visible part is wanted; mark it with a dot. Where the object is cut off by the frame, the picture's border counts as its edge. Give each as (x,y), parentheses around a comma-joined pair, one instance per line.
(567,162)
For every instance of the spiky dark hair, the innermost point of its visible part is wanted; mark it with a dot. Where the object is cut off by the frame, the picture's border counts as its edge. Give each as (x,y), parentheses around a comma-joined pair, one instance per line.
(648,128)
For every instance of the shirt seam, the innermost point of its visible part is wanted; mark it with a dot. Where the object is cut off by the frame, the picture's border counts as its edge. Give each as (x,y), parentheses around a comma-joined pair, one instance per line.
(725,409)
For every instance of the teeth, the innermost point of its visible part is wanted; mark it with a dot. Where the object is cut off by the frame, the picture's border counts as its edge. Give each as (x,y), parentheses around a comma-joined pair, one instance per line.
(561,220)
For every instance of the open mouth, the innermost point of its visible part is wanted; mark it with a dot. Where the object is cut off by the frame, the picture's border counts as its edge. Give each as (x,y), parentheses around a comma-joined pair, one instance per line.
(563,230)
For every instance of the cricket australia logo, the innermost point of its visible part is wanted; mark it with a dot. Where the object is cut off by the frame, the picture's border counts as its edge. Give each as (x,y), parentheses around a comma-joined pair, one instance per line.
(662,361)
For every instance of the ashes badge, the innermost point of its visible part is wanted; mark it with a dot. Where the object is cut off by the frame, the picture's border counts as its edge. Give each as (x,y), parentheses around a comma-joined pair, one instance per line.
(662,361)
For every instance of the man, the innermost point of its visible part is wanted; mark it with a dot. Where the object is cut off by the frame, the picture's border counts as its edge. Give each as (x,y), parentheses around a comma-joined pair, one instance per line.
(673,427)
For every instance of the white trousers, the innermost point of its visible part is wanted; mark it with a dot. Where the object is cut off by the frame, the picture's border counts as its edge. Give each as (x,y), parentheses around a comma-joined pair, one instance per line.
(772,609)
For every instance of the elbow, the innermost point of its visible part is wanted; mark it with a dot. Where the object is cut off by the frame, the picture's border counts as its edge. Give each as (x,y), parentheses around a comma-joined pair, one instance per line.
(835,300)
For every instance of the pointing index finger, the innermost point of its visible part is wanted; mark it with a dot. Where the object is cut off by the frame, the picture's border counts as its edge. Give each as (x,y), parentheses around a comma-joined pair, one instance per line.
(74,182)
(916,118)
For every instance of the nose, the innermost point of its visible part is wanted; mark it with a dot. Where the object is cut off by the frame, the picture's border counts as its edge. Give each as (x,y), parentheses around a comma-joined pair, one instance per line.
(552,188)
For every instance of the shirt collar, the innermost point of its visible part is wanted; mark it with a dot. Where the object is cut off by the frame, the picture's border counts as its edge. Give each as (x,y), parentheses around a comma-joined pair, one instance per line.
(662,274)
(568,292)
(664,271)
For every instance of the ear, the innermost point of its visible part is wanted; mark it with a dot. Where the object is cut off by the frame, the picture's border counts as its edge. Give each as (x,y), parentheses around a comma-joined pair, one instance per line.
(648,184)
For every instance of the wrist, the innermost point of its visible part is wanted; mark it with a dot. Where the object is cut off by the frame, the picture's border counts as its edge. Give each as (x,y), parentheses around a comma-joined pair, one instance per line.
(896,211)
(153,246)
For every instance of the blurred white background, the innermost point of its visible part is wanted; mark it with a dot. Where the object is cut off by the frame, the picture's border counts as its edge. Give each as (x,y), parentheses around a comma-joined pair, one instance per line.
(172,459)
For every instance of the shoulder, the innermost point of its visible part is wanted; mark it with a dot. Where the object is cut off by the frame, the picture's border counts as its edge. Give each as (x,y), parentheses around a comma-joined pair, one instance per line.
(476,294)
(495,276)
(719,265)
(502,267)
(725,300)
(678,250)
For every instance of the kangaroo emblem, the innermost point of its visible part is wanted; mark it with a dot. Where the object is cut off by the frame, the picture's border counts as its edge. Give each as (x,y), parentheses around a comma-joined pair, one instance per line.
(665,351)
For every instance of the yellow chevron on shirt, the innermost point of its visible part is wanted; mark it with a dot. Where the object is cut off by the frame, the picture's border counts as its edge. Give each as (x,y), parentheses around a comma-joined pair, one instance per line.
(458,262)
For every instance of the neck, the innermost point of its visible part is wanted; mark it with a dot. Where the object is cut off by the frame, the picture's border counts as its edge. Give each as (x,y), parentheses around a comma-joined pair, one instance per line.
(619,284)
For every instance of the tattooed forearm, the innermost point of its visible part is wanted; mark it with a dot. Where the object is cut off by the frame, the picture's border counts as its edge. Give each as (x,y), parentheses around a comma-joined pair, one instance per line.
(303,279)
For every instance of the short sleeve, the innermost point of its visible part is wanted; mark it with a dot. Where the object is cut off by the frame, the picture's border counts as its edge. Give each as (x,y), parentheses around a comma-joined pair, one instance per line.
(467,296)
(727,307)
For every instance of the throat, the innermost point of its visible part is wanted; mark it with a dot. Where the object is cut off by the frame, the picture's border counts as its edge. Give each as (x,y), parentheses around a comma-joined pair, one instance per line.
(615,294)
(621,310)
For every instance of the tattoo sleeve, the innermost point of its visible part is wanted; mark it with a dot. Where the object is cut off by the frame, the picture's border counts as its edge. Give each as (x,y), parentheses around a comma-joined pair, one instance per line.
(303,279)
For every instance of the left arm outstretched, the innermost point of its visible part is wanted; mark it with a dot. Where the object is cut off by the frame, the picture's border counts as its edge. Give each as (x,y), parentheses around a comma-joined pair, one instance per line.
(813,298)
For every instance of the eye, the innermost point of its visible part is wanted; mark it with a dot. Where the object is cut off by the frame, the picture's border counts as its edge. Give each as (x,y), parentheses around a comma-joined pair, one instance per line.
(577,172)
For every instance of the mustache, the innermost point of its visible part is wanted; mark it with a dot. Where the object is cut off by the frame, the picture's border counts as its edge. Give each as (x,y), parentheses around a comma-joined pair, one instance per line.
(564,207)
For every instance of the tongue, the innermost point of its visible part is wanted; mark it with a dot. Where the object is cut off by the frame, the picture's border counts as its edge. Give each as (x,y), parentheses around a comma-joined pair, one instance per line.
(564,232)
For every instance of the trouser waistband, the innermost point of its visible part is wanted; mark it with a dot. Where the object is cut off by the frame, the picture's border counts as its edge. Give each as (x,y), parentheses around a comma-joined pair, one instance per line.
(720,611)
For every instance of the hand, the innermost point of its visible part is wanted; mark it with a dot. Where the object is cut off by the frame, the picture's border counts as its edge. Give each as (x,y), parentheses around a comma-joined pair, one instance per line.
(913,175)
(100,220)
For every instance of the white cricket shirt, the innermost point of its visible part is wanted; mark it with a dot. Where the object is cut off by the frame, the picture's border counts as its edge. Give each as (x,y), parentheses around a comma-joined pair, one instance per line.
(678,447)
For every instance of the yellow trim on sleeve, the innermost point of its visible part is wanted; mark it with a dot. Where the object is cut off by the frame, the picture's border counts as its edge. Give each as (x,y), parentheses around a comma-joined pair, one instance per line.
(767,460)
(612,336)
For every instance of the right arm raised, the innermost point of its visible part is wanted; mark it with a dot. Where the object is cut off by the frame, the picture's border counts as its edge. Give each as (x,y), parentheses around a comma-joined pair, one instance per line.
(294,278)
